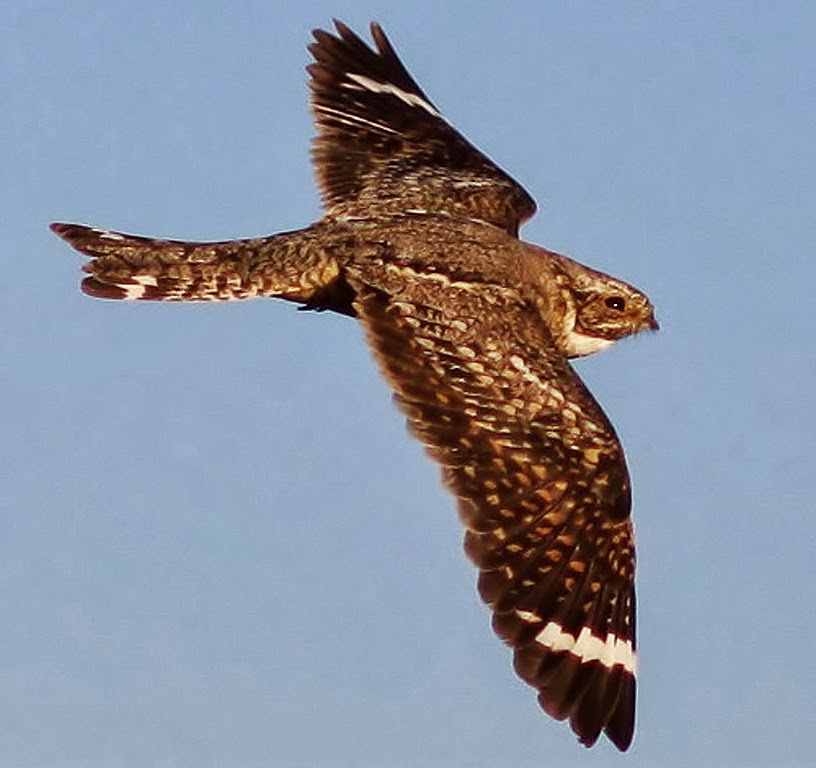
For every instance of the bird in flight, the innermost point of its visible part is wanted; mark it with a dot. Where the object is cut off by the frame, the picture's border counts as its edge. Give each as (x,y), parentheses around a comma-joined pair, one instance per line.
(473,329)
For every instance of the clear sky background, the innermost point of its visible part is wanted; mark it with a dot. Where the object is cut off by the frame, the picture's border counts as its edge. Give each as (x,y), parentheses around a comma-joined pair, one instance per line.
(220,546)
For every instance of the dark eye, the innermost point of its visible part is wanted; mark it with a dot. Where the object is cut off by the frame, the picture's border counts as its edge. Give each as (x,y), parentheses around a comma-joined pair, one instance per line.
(616,302)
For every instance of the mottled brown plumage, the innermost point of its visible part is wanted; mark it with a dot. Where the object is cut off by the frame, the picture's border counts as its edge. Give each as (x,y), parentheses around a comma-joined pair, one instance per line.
(473,329)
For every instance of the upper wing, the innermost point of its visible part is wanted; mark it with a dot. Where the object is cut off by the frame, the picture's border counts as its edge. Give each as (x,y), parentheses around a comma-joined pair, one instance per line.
(542,488)
(382,146)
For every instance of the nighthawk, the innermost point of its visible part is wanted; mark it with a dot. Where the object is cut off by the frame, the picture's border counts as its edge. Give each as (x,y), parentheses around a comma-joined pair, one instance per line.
(473,329)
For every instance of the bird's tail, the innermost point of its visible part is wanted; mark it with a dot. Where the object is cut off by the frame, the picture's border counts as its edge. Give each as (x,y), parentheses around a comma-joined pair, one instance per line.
(291,265)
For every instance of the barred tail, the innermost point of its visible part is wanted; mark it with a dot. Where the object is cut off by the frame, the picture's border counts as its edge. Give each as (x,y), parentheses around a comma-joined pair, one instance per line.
(291,265)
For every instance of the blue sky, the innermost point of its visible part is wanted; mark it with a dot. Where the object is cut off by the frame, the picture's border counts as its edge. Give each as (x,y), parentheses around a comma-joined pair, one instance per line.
(221,548)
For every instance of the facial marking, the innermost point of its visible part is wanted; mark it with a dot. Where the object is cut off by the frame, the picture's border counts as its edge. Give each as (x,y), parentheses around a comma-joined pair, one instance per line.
(580,345)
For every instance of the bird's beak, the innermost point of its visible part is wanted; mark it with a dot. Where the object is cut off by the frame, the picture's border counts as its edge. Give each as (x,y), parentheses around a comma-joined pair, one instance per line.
(653,324)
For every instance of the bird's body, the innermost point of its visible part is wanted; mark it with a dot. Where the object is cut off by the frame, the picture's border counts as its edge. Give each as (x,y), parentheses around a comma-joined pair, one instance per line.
(473,329)
(317,267)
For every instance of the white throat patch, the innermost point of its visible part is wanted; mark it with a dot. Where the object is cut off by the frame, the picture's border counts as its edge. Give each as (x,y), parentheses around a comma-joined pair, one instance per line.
(579,344)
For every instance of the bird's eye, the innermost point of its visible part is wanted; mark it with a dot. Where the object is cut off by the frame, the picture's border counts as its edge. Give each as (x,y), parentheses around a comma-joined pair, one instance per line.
(616,302)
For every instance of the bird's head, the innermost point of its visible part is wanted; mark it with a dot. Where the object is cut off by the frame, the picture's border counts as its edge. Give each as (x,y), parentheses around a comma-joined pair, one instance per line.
(603,309)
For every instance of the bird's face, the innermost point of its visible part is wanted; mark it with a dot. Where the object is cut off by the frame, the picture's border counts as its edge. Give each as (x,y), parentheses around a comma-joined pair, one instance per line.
(607,310)
(586,310)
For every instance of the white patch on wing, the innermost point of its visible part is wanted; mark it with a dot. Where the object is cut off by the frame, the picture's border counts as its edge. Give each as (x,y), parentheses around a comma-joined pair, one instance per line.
(349,118)
(104,235)
(587,647)
(464,183)
(409,98)
(533,618)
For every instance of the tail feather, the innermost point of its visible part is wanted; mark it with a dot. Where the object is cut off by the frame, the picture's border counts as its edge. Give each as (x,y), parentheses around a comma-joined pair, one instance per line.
(293,265)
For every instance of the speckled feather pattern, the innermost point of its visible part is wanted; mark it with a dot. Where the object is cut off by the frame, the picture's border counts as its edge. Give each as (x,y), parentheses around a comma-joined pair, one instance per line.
(473,329)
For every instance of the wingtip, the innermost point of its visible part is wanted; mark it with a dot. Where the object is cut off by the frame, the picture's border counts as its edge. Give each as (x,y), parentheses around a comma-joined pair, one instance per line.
(381,39)
(342,29)
(620,729)
(344,32)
